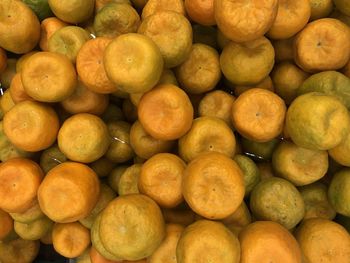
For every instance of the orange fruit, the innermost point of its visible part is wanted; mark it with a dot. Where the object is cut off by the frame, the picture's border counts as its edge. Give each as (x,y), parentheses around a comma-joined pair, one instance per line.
(33,230)
(128,182)
(238,219)
(70,239)
(115,19)
(20,179)
(316,201)
(341,152)
(67,41)
(201,12)
(133,62)
(6,224)
(338,193)
(286,208)
(200,72)
(19,251)
(320,8)
(90,66)
(299,165)
(247,63)
(31,126)
(322,240)
(217,104)
(165,112)
(292,16)
(342,6)
(202,138)
(69,185)
(154,6)
(101,3)
(49,77)
(213,185)
(9,72)
(266,241)
(322,45)
(132,227)
(106,195)
(120,149)
(29,215)
(166,252)
(231,18)
(48,27)
(306,118)
(19,27)
(287,78)
(83,138)
(17,91)
(161,179)
(207,241)
(172,33)
(251,174)
(6,102)
(258,114)
(72,12)
(84,100)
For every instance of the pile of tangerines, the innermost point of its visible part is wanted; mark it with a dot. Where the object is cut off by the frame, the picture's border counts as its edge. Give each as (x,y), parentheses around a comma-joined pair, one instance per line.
(164,131)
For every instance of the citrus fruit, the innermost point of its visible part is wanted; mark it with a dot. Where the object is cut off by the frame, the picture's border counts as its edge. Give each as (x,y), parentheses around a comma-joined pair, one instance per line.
(161,179)
(69,185)
(317,121)
(133,62)
(213,185)
(277,200)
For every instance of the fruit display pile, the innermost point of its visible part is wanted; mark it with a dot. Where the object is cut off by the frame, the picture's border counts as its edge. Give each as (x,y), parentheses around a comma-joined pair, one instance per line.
(175,131)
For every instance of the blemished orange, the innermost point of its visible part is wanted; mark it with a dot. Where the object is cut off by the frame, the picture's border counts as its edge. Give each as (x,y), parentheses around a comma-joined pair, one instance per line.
(70,239)
(201,12)
(6,224)
(207,241)
(17,91)
(213,185)
(259,114)
(90,66)
(20,179)
(161,179)
(322,240)
(166,112)
(232,18)
(267,241)
(31,126)
(48,27)
(69,192)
